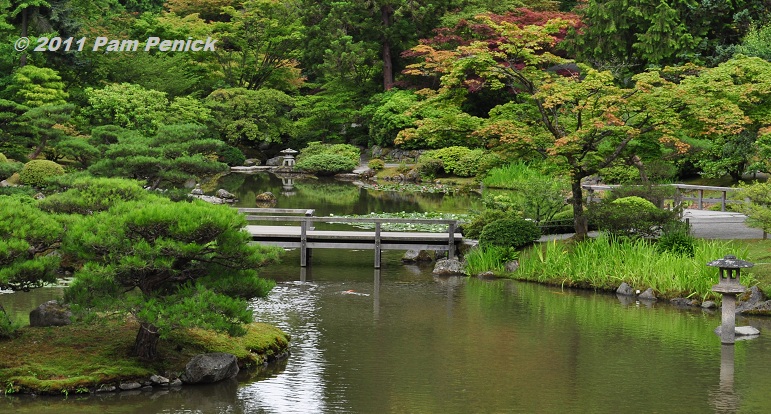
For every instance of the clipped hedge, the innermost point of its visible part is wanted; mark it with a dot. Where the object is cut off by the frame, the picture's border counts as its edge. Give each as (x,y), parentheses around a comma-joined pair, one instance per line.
(509,232)
(3,158)
(36,172)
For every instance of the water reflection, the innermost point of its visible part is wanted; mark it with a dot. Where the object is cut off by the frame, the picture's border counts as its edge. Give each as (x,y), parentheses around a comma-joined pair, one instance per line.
(725,399)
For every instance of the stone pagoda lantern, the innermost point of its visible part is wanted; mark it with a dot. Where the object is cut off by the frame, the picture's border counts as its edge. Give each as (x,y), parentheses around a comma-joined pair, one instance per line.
(288,160)
(730,287)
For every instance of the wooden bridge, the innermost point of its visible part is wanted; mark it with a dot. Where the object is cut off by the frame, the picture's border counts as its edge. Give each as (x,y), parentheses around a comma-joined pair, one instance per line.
(305,237)
(684,192)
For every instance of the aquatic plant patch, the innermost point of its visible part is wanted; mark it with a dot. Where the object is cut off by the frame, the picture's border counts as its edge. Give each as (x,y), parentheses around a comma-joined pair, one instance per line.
(422,227)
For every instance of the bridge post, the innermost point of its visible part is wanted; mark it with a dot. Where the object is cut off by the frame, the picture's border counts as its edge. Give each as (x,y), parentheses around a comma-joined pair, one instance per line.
(377,245)
(304,243)
(701,198)
(722,201)
(451,247)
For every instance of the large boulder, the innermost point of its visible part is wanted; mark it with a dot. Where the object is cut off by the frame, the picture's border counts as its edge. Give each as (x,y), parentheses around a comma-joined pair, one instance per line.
(448,267)
(209,368)
(756,303)
(414,255)
(51,313)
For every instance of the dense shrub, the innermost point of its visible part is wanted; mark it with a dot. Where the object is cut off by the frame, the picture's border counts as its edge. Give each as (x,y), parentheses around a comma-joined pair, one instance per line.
(317,148)
(7,169)
(326,164)
(429,167)
(87,195)
(631,217)
(676,239)
(36,172)
(3,158)
(376,164)
(456,160)
(232,156)
(658,195)
(509,232)
(473,229)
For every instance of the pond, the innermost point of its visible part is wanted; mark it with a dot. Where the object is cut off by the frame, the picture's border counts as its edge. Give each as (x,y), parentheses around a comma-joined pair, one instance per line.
(402,340)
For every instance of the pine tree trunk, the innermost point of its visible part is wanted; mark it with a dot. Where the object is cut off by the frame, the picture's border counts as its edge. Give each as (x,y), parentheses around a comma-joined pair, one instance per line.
(146,344)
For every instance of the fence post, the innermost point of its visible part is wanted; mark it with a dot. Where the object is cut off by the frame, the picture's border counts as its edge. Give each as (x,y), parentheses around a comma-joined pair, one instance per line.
(722,201)
(701,198)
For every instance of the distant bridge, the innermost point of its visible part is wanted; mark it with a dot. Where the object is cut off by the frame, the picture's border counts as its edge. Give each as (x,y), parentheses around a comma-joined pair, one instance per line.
(305,237)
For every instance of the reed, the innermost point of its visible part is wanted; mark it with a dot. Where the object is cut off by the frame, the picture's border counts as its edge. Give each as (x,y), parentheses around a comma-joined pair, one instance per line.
(508,176)
(489,259)
(604,263)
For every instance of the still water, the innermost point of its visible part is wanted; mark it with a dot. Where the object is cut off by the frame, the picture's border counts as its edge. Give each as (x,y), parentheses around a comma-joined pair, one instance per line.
(400,340)
(403,341)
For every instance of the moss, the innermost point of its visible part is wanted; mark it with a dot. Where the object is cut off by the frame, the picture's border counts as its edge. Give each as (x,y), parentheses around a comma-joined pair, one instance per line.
(72,358)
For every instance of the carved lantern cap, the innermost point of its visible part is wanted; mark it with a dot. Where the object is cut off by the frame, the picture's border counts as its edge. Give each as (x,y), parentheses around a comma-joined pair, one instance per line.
(289,152)
(730,262)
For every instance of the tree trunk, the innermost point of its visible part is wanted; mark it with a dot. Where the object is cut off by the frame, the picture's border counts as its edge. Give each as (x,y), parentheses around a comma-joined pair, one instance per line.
(146,344)
(387,12)
(38,149)
(580,221)
(637,162)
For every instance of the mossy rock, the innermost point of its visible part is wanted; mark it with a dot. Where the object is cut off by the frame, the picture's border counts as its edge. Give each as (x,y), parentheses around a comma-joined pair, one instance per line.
(37,172)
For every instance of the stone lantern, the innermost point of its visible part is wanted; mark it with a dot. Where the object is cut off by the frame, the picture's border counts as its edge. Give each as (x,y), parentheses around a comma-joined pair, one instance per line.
(288,160)
(729,286)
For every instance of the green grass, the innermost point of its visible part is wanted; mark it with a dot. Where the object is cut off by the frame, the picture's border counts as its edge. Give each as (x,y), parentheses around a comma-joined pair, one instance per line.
(758,252)
(79,357)
(604,264)
(491,259)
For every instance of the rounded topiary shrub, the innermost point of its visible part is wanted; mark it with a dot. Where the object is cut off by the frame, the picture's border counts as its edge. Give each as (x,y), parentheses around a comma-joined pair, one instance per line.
(3,158)
(376,164)
(509,232)
(326,164)
(36,172)
(635,202)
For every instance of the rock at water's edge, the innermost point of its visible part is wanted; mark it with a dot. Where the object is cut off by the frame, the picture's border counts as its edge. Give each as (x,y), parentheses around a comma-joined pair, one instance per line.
(209,368)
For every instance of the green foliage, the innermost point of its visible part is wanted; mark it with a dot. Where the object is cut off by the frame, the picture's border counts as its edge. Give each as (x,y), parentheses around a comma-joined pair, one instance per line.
(657,195)
(489,259)
(33,86)
(429,168)
(631,217)
(675,238)
(344,150)
(175,154)
(536,195)
(232,156)
(87,195)
(76,149)
(757,42)
(473,229)
(326,164)
(605,262)
(3,159)
(27,236)
(185,260)
(758,209)
(376,164)
(445,127)
(8,328)
(388,115)
(37,172)
(250,117)
(331,115)
(7,169)
(460,161)
(509,232)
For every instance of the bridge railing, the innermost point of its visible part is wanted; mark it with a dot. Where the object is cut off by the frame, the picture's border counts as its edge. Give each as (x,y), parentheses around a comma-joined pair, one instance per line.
(307,219)
(681,194)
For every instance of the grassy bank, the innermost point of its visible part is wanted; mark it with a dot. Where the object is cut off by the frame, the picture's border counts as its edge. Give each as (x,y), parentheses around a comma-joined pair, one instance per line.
(603,264)
(79,357)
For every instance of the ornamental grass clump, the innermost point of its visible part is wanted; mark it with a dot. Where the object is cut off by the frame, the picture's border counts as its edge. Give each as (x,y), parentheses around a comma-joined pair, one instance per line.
(607,261)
